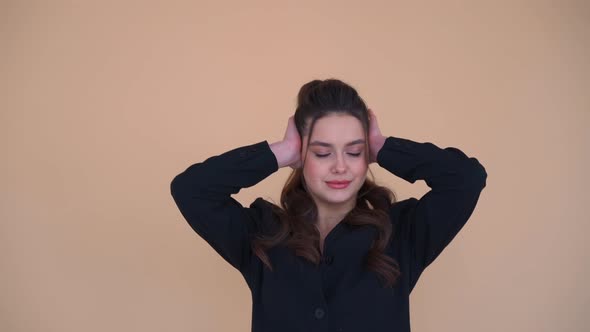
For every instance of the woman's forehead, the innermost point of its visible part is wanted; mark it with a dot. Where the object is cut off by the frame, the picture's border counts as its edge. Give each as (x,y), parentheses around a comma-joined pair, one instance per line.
(337,130)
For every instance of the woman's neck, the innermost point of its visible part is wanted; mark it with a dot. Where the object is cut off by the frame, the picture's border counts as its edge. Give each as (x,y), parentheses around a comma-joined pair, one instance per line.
(330,216)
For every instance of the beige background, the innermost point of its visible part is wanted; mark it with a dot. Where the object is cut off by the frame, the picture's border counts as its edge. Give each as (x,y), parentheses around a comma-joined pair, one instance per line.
(103,103)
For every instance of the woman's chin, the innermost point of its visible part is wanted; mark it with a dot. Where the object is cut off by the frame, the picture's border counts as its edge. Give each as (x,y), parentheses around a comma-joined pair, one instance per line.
(337,199)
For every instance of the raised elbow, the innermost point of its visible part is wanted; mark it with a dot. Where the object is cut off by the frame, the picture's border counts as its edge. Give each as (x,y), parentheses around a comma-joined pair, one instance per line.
(477,173)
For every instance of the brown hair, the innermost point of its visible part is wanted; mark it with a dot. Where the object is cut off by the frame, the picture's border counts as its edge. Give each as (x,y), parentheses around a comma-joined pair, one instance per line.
(297,214)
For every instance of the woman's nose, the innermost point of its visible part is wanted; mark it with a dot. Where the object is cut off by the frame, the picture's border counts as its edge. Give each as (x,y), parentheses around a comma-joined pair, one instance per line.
(340,164)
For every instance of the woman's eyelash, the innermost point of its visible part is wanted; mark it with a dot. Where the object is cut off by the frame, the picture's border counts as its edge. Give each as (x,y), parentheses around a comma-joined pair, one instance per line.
(327,154)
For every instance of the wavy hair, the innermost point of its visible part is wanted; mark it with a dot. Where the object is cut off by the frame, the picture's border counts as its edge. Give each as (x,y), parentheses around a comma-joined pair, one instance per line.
(298,212)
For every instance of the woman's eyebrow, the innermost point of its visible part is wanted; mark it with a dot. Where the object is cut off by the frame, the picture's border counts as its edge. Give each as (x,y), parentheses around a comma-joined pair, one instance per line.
(318,143)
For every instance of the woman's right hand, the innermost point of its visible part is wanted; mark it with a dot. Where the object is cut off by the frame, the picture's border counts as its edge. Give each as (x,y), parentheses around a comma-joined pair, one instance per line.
(288,151)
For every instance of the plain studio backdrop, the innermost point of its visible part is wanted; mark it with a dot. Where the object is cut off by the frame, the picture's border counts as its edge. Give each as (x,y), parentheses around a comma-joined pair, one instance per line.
(103,103)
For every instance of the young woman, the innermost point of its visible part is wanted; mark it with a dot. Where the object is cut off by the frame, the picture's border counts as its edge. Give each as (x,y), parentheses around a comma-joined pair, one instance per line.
(339,253)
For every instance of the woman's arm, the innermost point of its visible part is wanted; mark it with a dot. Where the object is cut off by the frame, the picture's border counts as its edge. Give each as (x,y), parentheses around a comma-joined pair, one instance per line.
(430,223)
(203,195)
(455,180)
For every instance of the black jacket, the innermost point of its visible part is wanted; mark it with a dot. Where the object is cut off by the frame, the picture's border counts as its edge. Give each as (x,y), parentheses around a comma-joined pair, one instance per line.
(337,295)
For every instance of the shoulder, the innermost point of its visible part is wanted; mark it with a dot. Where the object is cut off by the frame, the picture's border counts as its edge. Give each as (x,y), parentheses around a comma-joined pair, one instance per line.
(266,214)
(401,212)
(263,206)
(403,207)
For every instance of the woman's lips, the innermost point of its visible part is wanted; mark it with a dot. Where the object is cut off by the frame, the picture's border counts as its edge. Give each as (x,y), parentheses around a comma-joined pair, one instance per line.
(338,184)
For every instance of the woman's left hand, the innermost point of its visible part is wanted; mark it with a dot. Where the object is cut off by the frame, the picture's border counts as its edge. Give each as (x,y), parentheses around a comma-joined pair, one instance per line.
(376,139)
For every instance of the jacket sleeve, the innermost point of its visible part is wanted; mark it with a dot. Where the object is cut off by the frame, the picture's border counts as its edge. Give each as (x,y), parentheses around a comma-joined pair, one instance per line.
(203,195)
(429,224)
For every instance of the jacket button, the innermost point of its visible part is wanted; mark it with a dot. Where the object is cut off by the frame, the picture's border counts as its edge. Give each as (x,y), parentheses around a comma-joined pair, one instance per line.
(326,260)
(319,313)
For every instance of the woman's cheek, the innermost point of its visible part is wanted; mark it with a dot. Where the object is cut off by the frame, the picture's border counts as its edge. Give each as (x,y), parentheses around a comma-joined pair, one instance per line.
(312,170)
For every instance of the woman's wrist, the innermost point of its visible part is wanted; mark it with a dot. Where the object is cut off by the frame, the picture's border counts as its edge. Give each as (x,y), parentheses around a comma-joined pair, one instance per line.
(376,146)
(282,153)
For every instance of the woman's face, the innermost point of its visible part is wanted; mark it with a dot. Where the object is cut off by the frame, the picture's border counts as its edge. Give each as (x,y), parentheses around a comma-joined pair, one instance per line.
(336,153)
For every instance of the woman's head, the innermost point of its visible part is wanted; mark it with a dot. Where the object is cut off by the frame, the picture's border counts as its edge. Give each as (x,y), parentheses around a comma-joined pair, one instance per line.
(333,123)
(332,120)
(317,99)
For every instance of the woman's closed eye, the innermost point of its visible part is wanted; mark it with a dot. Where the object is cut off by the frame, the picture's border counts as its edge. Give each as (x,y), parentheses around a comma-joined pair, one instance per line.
(327,154)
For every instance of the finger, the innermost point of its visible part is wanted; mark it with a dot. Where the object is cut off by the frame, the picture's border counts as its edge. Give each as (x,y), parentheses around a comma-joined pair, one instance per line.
(290,125)
(374,119)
